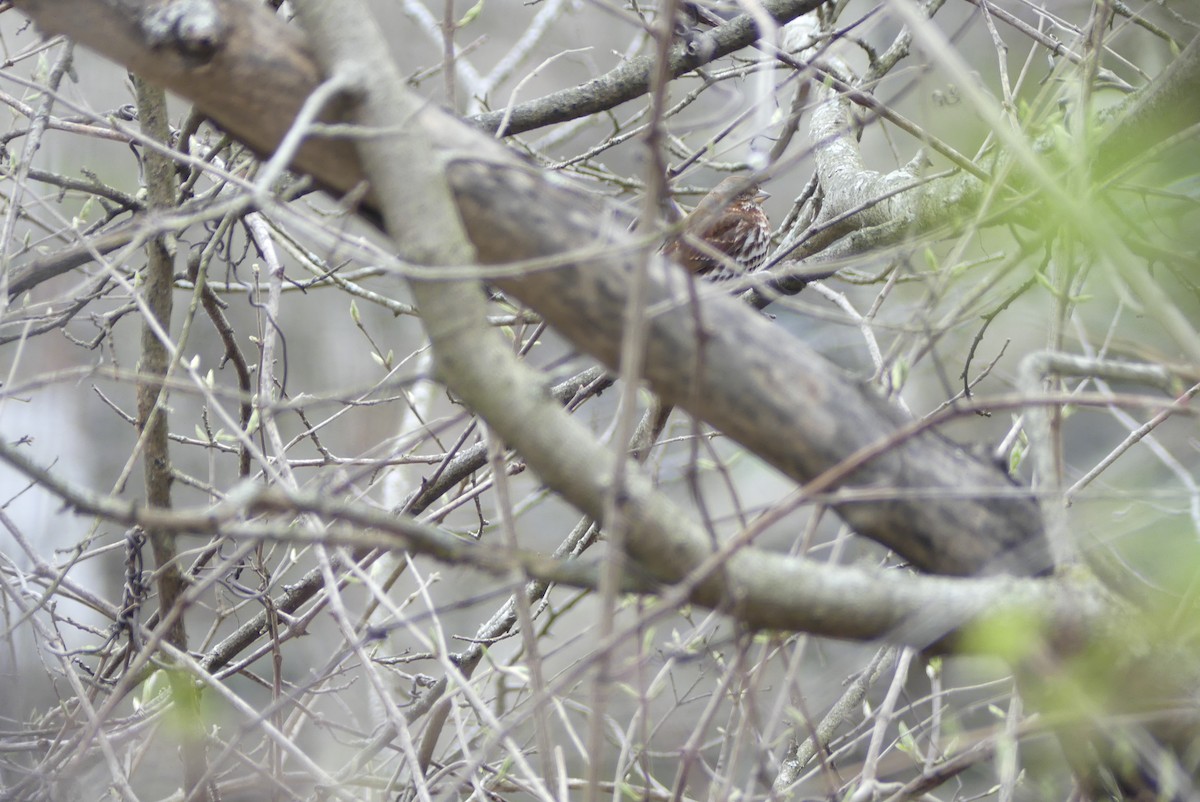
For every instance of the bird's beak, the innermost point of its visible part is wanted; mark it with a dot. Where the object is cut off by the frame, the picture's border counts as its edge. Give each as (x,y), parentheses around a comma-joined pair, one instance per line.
(761,196)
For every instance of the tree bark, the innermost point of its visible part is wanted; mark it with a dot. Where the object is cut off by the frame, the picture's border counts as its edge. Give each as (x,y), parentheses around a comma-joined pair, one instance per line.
(720,361)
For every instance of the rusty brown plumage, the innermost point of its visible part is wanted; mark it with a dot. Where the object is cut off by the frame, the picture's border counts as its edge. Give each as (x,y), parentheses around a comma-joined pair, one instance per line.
(733,227)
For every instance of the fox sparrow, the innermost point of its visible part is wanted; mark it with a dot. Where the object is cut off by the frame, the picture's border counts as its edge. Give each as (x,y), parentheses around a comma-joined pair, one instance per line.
(734,229)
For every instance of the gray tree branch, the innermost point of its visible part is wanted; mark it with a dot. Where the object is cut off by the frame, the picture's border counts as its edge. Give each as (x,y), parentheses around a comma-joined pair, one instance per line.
(784,402)
(725,365)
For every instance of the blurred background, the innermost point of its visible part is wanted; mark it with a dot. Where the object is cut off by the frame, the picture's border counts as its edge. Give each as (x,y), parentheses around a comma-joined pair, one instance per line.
(363,422)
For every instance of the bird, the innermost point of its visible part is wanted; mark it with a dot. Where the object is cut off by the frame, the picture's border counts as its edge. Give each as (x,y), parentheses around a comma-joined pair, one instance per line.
(730,225)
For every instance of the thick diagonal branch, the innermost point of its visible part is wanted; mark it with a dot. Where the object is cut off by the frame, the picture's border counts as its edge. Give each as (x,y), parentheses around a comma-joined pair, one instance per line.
(726,365)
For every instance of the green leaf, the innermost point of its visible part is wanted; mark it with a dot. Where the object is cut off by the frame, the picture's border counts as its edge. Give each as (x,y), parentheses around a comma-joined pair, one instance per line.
(470,16)
(899,373)
(156,684)
(1011,635)
(931,260)
(907,743)
(1017,455)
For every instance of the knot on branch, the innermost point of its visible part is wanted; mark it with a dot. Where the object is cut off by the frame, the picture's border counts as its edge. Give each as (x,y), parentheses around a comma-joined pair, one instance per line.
(196,29)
